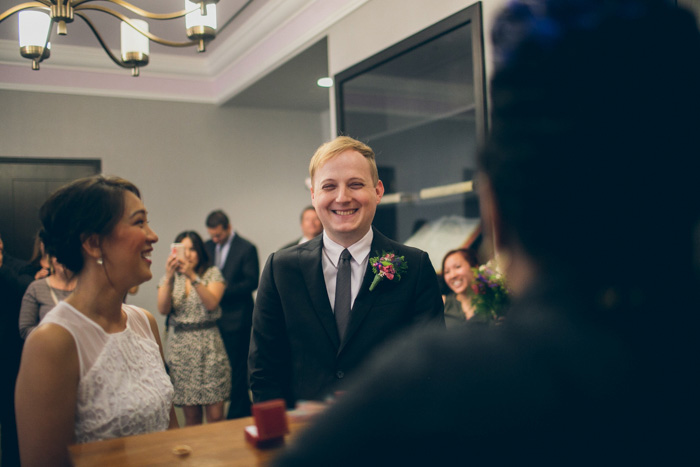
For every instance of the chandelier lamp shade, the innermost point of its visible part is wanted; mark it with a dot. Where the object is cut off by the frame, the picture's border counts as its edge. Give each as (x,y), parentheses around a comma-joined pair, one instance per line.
(36,19)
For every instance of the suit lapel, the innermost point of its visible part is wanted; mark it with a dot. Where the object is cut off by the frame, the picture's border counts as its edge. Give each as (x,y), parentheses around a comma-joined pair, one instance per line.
(365,300)
(230,263)
(312,270)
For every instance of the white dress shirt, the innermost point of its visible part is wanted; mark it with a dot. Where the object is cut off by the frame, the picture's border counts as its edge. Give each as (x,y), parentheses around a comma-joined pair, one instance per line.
(221,252)
(358,264)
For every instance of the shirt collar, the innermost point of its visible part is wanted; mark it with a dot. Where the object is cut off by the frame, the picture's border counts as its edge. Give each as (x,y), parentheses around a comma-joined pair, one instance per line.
(359,250)
(228,241)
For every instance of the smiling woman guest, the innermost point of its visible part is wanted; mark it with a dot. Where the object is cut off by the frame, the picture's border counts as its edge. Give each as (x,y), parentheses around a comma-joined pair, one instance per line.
(457,271)
(93,369)
(190,293)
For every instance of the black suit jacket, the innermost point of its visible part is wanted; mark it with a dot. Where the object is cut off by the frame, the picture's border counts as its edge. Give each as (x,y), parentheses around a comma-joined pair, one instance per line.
(561,382)
(295,350)
(291,244)
(241,272)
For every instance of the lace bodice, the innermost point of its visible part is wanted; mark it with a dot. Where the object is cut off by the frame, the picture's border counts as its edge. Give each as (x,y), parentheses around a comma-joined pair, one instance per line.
(123,389)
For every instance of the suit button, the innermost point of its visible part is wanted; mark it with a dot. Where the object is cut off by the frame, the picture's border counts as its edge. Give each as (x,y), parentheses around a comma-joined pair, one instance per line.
(339,374)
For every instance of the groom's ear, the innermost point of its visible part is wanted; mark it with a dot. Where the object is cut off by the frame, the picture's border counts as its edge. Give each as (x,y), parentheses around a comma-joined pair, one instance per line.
(379,190)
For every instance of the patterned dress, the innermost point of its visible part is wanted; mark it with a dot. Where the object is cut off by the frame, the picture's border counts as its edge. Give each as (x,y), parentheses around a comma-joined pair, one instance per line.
(199,367)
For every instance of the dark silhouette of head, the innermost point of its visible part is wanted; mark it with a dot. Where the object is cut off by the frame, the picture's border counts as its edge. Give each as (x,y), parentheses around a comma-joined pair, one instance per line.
(593,152)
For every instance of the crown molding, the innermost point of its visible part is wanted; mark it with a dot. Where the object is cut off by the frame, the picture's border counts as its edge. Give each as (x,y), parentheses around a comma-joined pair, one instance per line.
(112,83)
(309,21)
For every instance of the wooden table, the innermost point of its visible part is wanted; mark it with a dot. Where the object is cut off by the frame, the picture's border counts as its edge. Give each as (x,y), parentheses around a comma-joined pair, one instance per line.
(221,443)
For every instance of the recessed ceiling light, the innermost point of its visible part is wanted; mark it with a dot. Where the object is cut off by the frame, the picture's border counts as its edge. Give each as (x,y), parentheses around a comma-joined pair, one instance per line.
(325,82)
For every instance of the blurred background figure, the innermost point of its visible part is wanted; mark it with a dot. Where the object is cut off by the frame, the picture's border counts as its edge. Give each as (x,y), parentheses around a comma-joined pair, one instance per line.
(44,294)
(457,273)
(93,369)
(310,226)
(39,262)
(189,294)
(237,259)
(14,280)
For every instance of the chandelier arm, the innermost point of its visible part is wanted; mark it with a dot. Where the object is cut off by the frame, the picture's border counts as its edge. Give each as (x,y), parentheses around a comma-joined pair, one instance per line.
(46,42)
(235,15)
(43,4)
(149,35)
(102,42)
(78,5)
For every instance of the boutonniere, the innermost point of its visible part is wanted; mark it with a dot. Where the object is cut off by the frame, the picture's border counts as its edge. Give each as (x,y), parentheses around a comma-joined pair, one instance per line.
(387,266)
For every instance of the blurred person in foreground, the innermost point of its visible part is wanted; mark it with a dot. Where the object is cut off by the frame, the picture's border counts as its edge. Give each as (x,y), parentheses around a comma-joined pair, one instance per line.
(592,159)
(93,369)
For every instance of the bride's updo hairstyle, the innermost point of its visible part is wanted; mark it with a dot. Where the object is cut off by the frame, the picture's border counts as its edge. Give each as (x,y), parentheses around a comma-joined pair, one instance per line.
(87,206)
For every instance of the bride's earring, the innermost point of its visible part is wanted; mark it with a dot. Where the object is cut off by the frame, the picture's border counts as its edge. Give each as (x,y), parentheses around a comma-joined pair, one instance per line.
(99,261)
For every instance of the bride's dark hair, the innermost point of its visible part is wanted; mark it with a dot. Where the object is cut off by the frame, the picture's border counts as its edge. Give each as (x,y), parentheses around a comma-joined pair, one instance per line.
(87,206)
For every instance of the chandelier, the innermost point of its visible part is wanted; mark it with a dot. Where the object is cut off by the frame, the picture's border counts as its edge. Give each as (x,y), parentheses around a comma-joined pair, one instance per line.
(37,17)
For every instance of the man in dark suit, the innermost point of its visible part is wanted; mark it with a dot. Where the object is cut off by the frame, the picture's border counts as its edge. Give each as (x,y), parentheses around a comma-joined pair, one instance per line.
(14,280)
(315,317)
(237,258)
(310,226)
(597,361)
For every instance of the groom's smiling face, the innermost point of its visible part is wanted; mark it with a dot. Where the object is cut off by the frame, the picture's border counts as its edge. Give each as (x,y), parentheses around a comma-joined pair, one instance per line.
(345,197)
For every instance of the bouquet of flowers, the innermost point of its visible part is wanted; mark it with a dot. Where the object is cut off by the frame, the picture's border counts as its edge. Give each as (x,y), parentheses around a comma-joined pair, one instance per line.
(488,292)
(388,266)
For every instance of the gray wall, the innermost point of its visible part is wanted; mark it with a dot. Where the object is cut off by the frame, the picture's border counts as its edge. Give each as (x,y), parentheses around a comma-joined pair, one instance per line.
(186,158)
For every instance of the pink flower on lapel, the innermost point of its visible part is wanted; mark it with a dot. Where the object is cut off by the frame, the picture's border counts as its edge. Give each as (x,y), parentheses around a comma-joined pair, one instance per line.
(388,266)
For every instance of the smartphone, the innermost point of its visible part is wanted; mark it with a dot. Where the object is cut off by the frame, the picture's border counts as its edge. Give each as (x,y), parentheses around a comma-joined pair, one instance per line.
(178,249)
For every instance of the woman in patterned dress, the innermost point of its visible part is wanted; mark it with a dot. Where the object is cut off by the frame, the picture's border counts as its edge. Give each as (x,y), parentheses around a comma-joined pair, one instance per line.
(189,294)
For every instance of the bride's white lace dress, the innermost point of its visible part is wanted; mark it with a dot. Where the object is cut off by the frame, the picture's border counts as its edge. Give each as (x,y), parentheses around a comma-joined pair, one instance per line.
(123,389)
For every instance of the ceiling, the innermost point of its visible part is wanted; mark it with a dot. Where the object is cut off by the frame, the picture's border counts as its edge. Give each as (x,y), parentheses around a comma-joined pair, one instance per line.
(267,53)
(292,85)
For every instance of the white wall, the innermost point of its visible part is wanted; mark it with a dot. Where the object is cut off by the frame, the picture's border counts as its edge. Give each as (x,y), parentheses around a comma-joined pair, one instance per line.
(187,159)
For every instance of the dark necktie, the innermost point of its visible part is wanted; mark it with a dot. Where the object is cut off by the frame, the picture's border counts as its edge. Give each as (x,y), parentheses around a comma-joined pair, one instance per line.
(217,256)
(342,293)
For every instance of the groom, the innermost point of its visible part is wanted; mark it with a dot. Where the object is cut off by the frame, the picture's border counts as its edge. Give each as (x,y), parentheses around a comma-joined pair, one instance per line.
(315,318)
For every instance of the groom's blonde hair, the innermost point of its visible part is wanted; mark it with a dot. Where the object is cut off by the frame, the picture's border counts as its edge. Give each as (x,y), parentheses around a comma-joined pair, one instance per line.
(329,150)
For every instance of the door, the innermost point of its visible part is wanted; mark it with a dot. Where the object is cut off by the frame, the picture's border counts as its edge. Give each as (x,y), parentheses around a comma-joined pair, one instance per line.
(24,186)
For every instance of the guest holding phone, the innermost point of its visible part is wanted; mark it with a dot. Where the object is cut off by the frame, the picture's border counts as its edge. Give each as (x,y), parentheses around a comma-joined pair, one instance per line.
(189,294)
(93,369)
